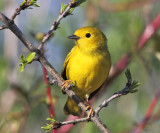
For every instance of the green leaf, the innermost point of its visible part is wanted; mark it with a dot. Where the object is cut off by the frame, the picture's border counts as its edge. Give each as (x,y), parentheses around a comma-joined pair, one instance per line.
(22,68)
(49,126)
(63,7)
(22,59)
(24,62)
(128,75)
(52,120)
(45,128)
(23,3)
(71,10)
(36,5)
(30,57)
(78,1)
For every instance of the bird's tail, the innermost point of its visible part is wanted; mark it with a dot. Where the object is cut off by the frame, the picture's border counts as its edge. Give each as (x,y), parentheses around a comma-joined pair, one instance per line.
(72,108)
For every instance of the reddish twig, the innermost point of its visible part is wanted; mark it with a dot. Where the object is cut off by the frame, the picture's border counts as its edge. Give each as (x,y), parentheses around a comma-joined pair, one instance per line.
(149,31)
(49,95)
(148,113)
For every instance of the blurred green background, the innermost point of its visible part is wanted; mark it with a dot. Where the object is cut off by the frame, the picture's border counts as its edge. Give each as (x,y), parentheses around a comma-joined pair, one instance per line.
(23,94)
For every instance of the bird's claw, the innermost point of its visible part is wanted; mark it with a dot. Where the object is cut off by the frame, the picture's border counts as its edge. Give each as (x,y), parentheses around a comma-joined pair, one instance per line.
(91,111)
(65,84)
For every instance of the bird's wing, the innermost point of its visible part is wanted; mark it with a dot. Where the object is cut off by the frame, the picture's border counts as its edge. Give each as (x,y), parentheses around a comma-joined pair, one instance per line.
(63,74)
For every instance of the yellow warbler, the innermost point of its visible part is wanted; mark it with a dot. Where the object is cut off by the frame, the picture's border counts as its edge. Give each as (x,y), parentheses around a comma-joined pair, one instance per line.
(88,64)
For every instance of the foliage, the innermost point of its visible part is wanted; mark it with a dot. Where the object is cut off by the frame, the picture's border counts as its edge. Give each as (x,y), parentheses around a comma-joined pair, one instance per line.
(49,126)
(27,3)
(24,62)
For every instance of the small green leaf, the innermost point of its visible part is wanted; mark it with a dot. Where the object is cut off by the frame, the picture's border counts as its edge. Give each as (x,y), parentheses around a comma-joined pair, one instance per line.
(24,62)
(78,2)
(52,119)
(30,57)
(22,68)
(133,91)
(36,5)
(63,7)
(131,85)
(71,10)
(128,75)
(23,3)
(49,127)
(61,11)
(22,59)
(46,128)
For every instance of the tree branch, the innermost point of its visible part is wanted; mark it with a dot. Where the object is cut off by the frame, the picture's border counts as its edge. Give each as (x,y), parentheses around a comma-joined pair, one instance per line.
(106,102)
(10,24)
(59,124)
(56,23)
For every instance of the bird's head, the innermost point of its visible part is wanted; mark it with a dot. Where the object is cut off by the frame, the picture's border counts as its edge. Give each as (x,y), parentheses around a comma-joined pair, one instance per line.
(89,39)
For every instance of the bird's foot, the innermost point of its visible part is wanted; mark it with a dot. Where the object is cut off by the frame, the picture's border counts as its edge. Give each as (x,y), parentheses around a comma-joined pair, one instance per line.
(91,111)
(65,84)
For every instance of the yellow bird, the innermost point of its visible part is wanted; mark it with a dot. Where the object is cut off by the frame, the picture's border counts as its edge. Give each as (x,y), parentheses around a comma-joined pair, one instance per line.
(88,64)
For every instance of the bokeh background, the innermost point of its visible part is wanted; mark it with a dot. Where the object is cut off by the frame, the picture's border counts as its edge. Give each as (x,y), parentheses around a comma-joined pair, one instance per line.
(23,107)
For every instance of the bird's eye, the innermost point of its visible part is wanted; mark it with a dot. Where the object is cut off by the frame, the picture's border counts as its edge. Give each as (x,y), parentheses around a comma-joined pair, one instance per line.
(88,35)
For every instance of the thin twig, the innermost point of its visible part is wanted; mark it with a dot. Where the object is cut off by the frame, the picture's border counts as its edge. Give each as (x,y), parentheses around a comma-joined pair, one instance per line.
(116,95)
(106,102)
(23,6)
(59,124)
(3,27)
(17,12)
(56,23)
(10,24)
(67,128)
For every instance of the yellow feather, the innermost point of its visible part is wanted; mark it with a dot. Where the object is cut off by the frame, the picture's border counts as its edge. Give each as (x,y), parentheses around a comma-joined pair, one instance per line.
(88,63)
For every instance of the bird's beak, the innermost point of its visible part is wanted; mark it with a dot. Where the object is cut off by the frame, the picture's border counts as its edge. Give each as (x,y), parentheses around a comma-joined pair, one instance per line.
(73,37)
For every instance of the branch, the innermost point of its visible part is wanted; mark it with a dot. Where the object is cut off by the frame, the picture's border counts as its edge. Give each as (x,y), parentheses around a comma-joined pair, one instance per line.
(25,4)
(10,24)
(67,128)
(129,88)
(57,22)
(59,124)
(106,102)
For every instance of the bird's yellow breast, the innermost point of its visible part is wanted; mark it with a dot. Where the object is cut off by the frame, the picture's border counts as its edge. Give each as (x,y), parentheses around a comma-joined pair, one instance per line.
(88,70)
